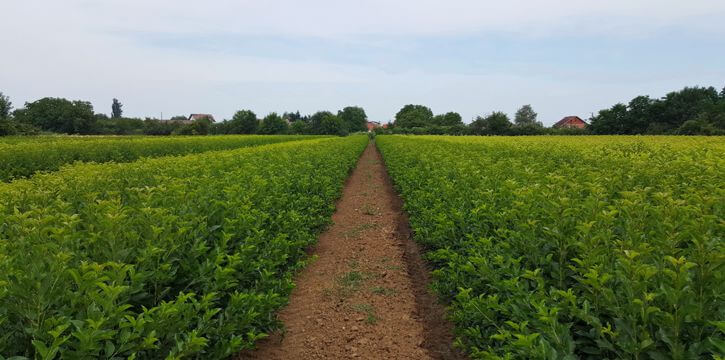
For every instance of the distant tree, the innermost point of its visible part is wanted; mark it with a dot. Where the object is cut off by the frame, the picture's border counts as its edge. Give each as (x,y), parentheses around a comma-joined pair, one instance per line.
(447,119)
(526,116)
(273,124)
(610,121)
(298,127)
(179,117)
(198,127)
(333,125)
(413,116)
(58,115)
(292,116)
(686,104)
(354,118)
(5,106)
(697,106)
(243,122)
(156,127)
(315,122)
(478,126)
(116,110)
(497,123)
(641,112)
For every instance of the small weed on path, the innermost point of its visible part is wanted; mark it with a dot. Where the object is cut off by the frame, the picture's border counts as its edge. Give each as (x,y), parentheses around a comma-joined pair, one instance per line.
(368,310)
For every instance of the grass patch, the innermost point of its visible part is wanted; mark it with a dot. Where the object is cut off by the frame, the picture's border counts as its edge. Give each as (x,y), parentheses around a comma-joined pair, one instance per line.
(381,290)
(356,231)
(368,310)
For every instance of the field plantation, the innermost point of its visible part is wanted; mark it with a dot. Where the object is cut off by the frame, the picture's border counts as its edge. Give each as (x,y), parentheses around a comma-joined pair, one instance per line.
(541,247)
(22,157)
(572,247)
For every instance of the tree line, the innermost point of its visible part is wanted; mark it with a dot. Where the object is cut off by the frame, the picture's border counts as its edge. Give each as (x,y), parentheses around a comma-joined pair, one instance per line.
(58,115)
(689,111)
(420,120)
(348,120)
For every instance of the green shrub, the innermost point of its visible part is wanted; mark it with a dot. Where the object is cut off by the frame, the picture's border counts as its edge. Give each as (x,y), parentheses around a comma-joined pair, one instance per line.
(572,247)
(177,257)
(21,157)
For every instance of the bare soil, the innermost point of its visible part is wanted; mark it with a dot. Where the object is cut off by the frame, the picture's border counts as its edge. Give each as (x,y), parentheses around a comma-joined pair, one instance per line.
(365,295)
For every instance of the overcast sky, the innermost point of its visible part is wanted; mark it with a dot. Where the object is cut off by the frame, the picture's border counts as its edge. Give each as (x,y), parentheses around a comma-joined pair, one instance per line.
(473,57)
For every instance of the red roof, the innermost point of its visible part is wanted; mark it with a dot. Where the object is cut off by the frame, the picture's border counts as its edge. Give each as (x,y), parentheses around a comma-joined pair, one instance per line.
(571,121)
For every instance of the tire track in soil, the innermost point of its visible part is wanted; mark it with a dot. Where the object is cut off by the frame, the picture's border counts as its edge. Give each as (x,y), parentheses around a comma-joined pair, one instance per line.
(366,295)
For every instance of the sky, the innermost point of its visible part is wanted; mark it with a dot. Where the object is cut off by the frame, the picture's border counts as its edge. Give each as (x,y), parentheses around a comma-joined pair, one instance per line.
(470,56)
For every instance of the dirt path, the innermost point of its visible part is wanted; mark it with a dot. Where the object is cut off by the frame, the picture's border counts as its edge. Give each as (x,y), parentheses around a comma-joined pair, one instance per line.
(365,295)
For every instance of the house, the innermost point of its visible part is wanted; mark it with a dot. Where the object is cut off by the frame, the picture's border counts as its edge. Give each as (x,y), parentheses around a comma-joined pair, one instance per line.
(195,117)
(372,125)
(571,122)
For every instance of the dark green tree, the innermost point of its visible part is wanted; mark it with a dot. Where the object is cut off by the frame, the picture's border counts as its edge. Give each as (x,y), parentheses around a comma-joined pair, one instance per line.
(526,116)
(332,125)
(198,127)
(5,106)
(497,123)
(315,122)
(447,119)
(273,124)
(292,116)
(243,122)
(413,116)
(610,121)
(116,110)
(354,118)
(58,115)
(298,127)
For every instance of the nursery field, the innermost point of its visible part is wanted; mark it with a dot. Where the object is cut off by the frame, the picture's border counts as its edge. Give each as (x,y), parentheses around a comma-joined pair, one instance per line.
(168,257)
(571,247)
(24,156)
(542,247)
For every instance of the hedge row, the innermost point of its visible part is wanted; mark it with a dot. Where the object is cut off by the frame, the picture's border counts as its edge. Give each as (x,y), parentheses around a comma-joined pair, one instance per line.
(172,257)
(22,157)
(572,248)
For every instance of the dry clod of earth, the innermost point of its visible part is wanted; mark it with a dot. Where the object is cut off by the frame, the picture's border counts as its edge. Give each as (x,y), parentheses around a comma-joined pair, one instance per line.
(364,295)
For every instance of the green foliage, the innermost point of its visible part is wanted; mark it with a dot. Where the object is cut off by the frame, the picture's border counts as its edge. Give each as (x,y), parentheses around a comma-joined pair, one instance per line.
(273,124)
(413,116)
(571,247)
(695,110)
(526,116)
(332,125)
(116,110)
(197,127)
(447,119)
(314,124)
(353,118)
(243,122)
(497,123)
(6,106)
(58,115)
(298,127)
(176,257)
(28,155)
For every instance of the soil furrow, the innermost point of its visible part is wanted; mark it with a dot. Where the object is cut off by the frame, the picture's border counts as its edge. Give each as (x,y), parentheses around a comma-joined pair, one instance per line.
(365,295)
